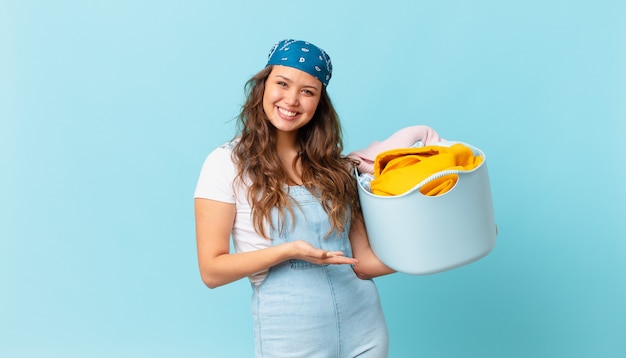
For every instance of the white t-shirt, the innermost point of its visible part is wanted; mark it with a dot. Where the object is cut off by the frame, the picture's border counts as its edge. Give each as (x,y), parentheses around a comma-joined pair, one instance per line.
(216,183)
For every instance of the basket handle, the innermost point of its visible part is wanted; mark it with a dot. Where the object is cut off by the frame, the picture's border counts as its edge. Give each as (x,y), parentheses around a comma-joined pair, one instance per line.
(432,177)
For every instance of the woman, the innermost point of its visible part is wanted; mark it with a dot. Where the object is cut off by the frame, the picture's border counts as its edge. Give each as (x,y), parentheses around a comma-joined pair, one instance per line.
(287,195)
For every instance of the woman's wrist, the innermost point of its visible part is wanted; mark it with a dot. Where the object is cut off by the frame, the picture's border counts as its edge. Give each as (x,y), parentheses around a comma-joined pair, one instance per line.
(288,251)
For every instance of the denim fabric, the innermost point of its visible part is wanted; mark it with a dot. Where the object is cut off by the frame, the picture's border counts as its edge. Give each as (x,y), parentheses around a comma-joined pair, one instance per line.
(307,310)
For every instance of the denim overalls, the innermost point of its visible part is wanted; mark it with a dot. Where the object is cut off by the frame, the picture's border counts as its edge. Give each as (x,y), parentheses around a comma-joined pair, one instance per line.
(306,310)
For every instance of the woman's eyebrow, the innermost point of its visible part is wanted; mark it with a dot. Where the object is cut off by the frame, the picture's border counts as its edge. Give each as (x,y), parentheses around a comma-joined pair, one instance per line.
(284,78)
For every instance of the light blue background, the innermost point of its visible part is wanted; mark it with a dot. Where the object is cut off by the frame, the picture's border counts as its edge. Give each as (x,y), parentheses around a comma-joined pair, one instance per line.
(108,109)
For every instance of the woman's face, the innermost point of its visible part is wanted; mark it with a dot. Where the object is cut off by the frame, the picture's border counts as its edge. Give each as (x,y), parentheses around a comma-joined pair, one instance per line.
(290,98)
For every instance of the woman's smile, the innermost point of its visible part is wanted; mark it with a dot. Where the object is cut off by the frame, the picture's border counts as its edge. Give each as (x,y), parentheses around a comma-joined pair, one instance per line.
(287,113)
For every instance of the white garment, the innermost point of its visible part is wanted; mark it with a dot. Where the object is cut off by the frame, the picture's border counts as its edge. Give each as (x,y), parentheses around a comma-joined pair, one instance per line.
(216,183)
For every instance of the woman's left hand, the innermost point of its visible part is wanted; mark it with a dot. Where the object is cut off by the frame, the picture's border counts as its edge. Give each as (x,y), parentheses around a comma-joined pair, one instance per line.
(369,265)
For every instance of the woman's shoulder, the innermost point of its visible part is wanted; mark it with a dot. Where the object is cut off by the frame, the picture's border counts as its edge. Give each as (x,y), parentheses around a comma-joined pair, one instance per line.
(217,174)
(222,155)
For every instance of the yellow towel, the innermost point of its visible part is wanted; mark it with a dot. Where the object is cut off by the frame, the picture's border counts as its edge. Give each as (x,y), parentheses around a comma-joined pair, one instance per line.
(397,171)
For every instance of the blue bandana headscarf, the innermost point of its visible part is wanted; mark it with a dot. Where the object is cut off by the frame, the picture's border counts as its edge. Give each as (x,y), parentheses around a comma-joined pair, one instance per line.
(304,56)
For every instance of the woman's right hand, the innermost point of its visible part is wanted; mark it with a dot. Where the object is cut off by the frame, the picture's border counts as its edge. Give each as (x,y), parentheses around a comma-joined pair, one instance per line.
(302,250)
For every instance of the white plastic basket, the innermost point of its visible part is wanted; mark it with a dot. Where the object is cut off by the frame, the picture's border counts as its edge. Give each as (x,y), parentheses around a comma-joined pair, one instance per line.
(419,235)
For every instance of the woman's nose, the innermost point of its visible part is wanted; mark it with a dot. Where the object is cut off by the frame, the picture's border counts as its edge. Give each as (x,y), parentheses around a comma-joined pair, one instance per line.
(291,98)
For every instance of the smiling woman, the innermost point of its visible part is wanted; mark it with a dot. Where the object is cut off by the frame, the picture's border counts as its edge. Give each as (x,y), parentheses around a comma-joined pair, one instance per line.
(107,109)
(288,198)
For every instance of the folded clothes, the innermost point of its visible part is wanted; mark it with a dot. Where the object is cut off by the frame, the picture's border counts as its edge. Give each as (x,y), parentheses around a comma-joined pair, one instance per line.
(399,170)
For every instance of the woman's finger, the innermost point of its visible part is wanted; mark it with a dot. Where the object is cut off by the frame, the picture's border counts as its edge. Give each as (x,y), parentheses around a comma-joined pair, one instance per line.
(333,254)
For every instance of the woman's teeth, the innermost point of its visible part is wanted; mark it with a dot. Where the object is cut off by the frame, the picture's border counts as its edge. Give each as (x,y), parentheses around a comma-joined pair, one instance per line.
(286,112)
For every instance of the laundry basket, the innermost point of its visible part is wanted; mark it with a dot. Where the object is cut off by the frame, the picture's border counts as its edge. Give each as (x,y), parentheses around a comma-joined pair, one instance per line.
(419,235)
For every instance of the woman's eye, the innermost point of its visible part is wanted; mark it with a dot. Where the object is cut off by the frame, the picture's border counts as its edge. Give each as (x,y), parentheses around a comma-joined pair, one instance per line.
(307,92)
(282,84)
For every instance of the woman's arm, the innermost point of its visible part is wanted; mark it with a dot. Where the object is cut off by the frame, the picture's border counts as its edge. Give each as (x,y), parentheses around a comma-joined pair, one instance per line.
(214,222)
(369,265)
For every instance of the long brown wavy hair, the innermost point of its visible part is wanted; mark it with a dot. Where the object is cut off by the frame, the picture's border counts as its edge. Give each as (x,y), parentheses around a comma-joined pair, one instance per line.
(325,171)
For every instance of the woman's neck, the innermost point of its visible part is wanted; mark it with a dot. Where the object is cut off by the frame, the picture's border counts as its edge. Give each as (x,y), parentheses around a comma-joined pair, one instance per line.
(287,150)
(286,144)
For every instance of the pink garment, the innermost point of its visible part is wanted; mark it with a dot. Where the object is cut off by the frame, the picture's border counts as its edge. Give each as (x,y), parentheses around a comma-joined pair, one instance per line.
(404,138)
